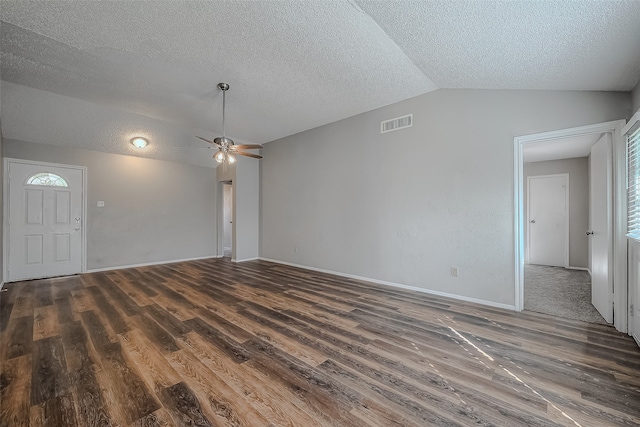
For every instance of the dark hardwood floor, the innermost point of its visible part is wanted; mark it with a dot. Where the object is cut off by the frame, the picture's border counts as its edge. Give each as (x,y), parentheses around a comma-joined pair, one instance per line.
(213,343)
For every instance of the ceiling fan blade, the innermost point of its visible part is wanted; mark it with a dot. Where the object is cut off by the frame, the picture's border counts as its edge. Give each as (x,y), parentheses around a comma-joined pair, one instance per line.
(206,140)
(247,146)
(243,153)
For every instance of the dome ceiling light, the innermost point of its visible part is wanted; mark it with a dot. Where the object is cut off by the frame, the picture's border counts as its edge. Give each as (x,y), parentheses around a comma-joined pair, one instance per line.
(139,142)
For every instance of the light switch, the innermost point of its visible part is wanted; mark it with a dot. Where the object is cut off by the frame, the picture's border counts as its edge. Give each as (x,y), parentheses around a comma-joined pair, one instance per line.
(100,204)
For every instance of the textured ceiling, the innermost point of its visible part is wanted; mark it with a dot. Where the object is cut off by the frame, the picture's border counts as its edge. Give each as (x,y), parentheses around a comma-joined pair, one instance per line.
(294,64)
(561,44)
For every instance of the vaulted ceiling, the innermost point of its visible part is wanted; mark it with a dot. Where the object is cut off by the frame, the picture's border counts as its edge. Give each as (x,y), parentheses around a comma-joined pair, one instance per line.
(114,69)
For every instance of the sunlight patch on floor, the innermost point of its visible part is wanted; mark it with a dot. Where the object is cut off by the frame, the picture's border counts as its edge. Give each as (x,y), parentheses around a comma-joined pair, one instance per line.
(512,375)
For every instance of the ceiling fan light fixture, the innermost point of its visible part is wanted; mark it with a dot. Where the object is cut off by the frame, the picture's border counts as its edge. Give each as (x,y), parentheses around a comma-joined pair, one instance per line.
(139,142)
(225,145)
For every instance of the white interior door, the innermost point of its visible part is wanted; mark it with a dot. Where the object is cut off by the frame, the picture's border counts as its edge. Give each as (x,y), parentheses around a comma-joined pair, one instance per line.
(45,220)
(600,225)
(548,228)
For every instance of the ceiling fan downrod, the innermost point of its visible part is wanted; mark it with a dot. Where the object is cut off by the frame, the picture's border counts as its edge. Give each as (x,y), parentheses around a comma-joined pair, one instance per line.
(224,87)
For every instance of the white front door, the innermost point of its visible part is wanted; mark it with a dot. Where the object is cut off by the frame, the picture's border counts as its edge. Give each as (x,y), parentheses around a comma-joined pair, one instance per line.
(547,207)
(600,219)
(45,220)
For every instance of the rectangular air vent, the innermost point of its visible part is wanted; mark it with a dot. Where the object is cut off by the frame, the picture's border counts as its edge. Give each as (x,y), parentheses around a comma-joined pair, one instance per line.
(397,123)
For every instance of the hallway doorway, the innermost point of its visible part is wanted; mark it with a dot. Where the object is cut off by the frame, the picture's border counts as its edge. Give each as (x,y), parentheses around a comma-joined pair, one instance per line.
(552,143)
(227,220)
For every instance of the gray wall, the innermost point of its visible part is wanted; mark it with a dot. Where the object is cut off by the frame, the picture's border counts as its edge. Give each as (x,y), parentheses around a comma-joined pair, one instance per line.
(246,211)
(635,98)
(578,170)
(406,206)
(154,210)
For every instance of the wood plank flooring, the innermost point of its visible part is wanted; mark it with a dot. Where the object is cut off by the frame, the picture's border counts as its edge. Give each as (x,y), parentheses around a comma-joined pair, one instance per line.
(213,343)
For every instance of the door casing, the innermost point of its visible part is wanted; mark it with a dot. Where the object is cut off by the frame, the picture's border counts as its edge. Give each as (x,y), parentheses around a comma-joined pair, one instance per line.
(619,217)
(220,218)
(227,216)
(5,201)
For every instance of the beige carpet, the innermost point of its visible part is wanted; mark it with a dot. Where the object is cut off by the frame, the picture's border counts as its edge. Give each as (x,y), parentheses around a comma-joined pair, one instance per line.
(559,292)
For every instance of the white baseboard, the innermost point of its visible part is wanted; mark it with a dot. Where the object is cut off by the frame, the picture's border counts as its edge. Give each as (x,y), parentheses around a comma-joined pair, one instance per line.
(574,268)
(245,260)
(398,285)
(577,268)
(580,268)
(120,267)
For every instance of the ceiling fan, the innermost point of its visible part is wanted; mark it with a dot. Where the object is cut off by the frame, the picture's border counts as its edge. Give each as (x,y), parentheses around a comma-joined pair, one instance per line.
(227,149)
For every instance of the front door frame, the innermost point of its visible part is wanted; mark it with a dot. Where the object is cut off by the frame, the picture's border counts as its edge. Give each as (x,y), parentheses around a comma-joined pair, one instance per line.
(6,250)
(620,288)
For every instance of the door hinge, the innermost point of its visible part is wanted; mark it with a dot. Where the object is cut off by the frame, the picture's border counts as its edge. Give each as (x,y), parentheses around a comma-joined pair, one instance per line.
(631,310)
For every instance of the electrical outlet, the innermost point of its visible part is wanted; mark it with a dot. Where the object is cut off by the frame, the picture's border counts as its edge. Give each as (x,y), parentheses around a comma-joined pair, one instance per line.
(454,271)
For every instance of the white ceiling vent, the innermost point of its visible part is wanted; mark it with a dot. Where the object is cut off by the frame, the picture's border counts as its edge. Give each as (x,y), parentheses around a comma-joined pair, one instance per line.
(396,124)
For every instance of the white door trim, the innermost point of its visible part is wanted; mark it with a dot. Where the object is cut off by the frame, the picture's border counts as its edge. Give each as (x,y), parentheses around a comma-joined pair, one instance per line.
(5,201)
(220,218)
(621,293)
(566,213)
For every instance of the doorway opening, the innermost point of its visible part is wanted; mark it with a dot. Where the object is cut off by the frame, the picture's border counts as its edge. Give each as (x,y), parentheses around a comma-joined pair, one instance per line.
(557,276)
(227,219)
(564,144)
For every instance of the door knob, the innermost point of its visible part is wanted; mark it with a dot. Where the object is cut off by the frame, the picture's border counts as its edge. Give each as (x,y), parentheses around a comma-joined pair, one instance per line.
(533,221)
(589,233)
